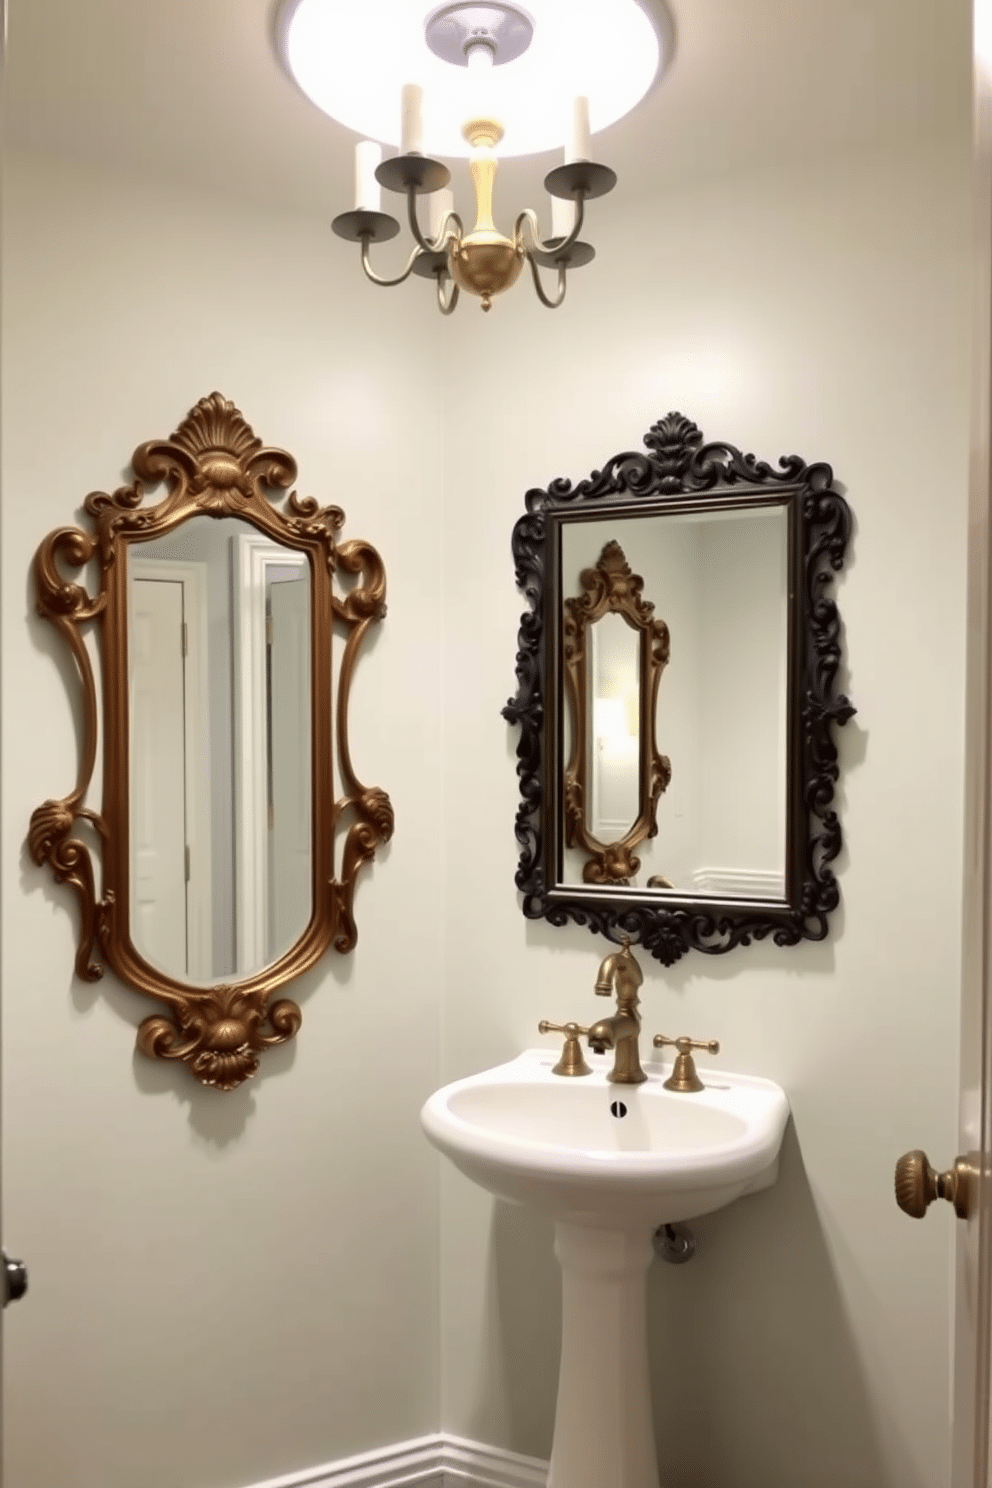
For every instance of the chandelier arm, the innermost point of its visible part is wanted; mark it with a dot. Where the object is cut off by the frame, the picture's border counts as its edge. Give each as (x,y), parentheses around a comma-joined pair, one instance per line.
(528,217)
(387,283)
(446,305)
(431,245)
(545,299)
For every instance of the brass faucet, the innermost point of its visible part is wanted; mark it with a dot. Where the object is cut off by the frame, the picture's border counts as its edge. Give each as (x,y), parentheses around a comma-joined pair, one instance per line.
(620,975)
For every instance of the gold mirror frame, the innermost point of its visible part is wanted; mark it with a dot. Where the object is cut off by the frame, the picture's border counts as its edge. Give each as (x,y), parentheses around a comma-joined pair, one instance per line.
(611,588)
(213,465)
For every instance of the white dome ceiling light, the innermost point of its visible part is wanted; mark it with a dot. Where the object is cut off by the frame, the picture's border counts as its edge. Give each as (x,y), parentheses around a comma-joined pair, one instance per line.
(456,82)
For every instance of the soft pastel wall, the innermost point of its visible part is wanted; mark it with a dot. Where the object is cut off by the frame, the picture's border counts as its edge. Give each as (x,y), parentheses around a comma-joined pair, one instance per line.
(226,1288)
(223,1287)
(823,311)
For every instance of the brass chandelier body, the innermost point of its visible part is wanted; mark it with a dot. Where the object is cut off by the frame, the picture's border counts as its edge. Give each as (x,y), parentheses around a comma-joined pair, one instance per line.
(483,262)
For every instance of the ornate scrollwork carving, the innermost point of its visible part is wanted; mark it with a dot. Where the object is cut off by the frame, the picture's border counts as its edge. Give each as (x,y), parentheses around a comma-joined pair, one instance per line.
(220,1034)
(214,465)
(680,464)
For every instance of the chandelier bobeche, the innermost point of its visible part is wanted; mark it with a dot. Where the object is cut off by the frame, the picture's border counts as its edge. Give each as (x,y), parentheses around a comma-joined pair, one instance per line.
(482,262)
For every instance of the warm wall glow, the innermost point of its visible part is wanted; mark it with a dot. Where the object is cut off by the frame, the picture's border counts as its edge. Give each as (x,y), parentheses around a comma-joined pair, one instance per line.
(352,59)
(983,34)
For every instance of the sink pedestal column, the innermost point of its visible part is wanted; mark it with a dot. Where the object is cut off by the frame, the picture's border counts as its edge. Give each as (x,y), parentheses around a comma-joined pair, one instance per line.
(604,1434)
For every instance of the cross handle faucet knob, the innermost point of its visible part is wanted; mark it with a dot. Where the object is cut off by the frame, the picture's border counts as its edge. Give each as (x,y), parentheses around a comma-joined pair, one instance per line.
(684,1077)
(572,1061)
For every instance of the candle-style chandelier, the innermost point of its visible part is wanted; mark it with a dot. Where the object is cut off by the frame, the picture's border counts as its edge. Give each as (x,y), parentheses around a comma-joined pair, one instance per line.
(484,68)
(483,262)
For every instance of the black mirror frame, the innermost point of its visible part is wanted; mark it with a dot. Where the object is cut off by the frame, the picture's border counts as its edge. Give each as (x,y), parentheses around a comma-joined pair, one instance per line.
(680,472)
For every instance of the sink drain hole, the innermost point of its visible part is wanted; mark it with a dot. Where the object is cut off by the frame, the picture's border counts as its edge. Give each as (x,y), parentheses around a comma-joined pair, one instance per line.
(618,1109)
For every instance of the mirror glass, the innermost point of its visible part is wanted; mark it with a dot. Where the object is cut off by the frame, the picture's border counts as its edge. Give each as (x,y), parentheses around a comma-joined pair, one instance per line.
(614,727)
(219,748)
(719,580)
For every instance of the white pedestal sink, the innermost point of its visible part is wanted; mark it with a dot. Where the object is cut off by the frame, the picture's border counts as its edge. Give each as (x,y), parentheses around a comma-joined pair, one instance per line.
(609,1163)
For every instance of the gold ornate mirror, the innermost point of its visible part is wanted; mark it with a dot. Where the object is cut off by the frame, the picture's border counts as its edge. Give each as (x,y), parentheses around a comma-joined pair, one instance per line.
(228,866)
(614,651)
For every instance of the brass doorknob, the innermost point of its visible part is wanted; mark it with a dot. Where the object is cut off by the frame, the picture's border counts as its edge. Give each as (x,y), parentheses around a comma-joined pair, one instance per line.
(918,1184)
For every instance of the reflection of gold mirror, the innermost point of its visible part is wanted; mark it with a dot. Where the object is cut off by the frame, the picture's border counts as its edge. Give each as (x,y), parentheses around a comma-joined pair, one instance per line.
(222,876)
(614,652)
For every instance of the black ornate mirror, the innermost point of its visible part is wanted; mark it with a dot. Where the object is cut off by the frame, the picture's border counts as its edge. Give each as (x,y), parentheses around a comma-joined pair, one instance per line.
(734,838)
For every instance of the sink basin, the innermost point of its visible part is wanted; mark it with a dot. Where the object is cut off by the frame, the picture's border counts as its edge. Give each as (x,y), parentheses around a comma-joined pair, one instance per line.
(593,1153)
(610,1163)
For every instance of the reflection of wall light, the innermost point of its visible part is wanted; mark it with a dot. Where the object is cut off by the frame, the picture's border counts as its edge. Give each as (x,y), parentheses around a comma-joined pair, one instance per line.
(609,720)
(611,726)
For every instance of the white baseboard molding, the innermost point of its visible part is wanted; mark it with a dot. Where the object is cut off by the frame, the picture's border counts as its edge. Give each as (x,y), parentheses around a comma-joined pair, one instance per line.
(441,1461)
(738,883)
(468,1464)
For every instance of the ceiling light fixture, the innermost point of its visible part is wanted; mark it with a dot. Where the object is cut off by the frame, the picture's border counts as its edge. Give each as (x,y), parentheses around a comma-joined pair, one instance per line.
(457,82)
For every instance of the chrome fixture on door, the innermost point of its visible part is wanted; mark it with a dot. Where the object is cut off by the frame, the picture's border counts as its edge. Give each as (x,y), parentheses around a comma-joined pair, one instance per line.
(918,1184)
(15,1279)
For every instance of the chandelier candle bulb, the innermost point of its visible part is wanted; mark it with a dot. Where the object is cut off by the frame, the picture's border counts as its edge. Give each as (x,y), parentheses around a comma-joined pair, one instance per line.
(368,193)
(562,216)
(579,146)
(442,202)
(411,120)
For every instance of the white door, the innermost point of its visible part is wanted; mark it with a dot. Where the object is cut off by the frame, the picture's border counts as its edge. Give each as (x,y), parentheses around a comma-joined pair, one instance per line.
(157,753)
(289,769)
(273,829)
(973,1321)
(967,1184)
(170,871)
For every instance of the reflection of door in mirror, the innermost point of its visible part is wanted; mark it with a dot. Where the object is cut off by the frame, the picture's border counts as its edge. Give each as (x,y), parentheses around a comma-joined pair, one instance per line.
(220,847)
(273,776)
(287,602)
(170,861)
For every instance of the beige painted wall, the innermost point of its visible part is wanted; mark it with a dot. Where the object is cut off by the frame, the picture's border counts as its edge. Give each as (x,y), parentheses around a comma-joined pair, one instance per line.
(823,312)
(223,1287)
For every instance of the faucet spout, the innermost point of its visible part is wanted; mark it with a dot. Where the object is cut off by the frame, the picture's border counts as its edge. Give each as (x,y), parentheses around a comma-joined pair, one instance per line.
(620,974)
